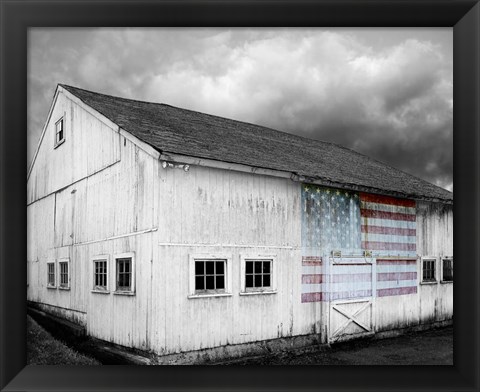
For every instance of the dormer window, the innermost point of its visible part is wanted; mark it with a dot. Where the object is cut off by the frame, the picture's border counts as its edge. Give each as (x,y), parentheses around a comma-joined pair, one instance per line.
(59,132)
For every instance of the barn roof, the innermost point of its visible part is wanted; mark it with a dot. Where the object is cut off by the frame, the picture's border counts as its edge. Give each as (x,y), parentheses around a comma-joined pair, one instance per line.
(169,129)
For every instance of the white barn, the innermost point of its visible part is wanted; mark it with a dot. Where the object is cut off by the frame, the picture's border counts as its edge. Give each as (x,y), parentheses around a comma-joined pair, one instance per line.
(170,231)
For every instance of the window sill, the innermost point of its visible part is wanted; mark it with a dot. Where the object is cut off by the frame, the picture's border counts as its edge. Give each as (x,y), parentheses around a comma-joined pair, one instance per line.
(64,288)
(194,296)
(428,283)
(59,143)
(446,282)
(100,291)
(127,293)
(258,292)
(52,287)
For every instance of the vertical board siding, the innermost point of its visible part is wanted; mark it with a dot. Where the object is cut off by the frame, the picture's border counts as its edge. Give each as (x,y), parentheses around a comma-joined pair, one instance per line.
(207,211)
(80,194)
(435,239)
(89,146)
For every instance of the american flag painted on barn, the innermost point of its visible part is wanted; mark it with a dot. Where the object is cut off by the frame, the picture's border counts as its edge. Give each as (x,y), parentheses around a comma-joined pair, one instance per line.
(388,225)
(352,222)
(330,220)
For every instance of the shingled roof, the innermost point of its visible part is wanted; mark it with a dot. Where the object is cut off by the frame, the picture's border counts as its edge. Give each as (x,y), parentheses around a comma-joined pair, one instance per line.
(170,129)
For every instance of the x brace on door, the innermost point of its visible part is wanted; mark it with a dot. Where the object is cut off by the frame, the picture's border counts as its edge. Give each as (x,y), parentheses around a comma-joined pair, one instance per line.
(351,318)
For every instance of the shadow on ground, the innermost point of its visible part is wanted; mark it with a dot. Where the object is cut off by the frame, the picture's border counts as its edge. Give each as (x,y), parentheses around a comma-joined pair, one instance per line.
(434,347)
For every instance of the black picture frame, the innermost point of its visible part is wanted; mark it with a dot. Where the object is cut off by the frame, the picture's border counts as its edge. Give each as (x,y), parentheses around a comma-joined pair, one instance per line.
(18,16)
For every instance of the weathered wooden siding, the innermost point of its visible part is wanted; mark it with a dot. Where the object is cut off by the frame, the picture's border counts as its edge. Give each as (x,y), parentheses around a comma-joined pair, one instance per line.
(213,211)
(435,239)
(90,146)
(95,197)
(434,301)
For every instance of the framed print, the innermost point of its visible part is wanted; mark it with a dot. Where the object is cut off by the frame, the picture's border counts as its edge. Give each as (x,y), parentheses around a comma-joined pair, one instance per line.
(114,273)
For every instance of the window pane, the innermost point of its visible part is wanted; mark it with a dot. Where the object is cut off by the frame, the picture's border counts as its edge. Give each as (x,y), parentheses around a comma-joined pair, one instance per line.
(199,268)
(258,266)
(258,280)
(219,268)
(249,281)
(220,282)
(249,267)
(127,266)
(266,280)
(210,267)
(266,267)
(199,284)
(210,283)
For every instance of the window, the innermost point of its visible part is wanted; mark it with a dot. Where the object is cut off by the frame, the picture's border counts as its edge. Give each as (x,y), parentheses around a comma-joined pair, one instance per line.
(125,274)
(59,132)
(210,275)
(428,270)
(100,273)
(64,274)
(447,270)
(258,274)
(51,274)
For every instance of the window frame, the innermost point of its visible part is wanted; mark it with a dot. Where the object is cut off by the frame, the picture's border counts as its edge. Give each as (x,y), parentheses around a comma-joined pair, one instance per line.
(62,140)
(66,261)
(435,273)
(272,289)
(54,284)
(99,289)
(226,292)
(449,258)
(116,257)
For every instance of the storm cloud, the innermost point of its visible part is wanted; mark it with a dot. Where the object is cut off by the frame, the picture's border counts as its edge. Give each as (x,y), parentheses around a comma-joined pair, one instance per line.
(386,93)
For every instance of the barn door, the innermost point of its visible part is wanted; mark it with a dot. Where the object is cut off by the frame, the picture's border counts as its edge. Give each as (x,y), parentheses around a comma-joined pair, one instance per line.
(352,288)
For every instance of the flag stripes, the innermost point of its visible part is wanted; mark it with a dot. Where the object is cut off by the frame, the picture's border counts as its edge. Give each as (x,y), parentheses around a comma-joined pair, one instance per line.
(388,225)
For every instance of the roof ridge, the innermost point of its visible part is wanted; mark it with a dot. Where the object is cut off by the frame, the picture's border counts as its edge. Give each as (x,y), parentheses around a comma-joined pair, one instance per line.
(206,114)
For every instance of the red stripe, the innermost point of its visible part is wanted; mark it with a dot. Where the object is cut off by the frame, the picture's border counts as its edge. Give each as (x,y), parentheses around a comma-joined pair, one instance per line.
(312,278)
(396,291)
(386,200)
(366,213)
(388,230)
(312,297)
(396,262)
(387,246)
(396,276)
(346,278)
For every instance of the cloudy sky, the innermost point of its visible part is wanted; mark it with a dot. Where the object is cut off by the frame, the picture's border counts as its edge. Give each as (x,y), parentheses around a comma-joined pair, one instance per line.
(386,93)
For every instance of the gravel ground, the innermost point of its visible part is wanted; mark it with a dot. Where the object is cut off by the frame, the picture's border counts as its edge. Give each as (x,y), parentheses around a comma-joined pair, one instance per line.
(434,347)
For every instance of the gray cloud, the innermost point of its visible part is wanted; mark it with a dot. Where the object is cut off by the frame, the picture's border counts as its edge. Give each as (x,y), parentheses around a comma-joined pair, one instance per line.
(385,93)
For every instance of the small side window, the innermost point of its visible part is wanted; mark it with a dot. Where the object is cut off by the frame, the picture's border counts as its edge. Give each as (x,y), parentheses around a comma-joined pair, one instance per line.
(59,132)
(447,270)
(428,270)
(64,274)
(51,275)
(100,274)
(124,274)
